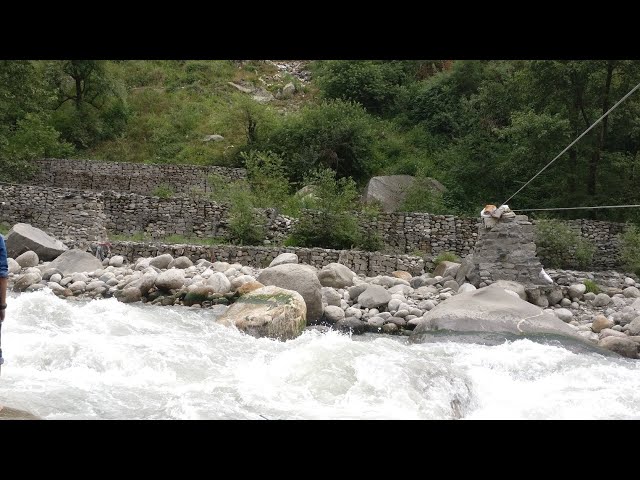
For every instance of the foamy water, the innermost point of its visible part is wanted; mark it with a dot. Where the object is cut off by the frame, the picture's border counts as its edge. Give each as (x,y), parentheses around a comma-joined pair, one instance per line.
(107,360)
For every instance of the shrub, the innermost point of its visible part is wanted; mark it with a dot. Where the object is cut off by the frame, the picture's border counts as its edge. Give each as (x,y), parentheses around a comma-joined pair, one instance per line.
(630,249)
(591,286)
(561,247)
(446,257)
(337,134)
(330,224)
(163,191)
(246,226)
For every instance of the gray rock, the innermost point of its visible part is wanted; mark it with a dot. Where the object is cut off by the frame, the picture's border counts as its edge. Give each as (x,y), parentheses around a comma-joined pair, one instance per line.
(590,296)
(171,279)
(355,291)
(219,282)
(490,310)
(376,322)
(515,287)
(390,328)
(631,292)
(351,324)
(390,191)
(270,311)
(622,346)
(353,312)
(336,275)
(600,323)
(26,280)
(577,290)
(284,258)
(180,262)
(333,314)
(161,261)
(23,237)
(610,332)
(634,327)
(601,300)
(7,413)
(452,284)
(330,296)
(129,295)
(28,259)
(565,302)
(55,278)
(116,261)
(564,314)
(144,283)
(49,272)
(288,90)
(466,287)
(78,287)
(14,267)
(629,281)
(374,296)
(75,260)
(213,138)
(300,278)
(446,269)
(555,296)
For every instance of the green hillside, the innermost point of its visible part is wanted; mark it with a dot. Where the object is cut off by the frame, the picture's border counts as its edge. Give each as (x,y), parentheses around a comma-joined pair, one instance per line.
(482,128)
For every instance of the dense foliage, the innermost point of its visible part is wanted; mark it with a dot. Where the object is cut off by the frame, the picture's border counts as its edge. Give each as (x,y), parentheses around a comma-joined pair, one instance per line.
(482,128)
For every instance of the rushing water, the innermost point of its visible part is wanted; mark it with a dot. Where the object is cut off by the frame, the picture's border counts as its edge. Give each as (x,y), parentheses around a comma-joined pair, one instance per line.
(107,360)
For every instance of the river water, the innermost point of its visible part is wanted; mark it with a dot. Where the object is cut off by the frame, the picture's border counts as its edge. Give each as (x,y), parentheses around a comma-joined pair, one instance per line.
(106,360)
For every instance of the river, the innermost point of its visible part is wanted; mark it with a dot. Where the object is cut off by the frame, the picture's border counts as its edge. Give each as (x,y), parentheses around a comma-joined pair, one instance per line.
(103,359)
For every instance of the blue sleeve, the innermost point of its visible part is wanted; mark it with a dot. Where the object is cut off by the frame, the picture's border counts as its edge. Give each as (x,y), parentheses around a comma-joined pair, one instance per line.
(4,266)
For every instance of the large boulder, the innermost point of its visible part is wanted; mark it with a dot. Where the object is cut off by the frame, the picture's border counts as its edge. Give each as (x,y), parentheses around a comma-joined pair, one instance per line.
(512,286)
(301,279)
(23,237)
(492,314)
(284,258)
(14,267)
(446,269)
(374,296)
(74,260)
(620,345)
(391,190)
(268,312)
(170,279)
(161,261)
(336,275)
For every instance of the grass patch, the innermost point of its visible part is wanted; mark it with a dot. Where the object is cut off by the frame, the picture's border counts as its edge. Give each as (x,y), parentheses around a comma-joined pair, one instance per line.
(4,228)
(446,257)
(592,287)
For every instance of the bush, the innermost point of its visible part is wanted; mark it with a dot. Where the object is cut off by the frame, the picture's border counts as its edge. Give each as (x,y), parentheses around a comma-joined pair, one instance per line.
(422,197)
(336,134)
(561,247)
(163,191)
(268,179)
(330,223)
(591,287)
(246,226)
(374,84)
(630,249)
(446,257)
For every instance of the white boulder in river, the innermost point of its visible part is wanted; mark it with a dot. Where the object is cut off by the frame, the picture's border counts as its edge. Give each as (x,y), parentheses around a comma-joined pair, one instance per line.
(268,312)
(490,313)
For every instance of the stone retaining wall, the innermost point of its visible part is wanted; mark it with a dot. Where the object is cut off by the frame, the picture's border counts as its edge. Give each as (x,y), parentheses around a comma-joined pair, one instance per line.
(367,263)
(139,178)
(87,215)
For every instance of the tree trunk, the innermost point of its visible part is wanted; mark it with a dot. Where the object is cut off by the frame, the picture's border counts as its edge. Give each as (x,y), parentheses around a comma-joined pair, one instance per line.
(78,91)
(595,158)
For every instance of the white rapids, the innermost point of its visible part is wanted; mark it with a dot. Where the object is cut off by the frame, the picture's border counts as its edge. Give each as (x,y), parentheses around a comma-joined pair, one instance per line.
(106,360)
